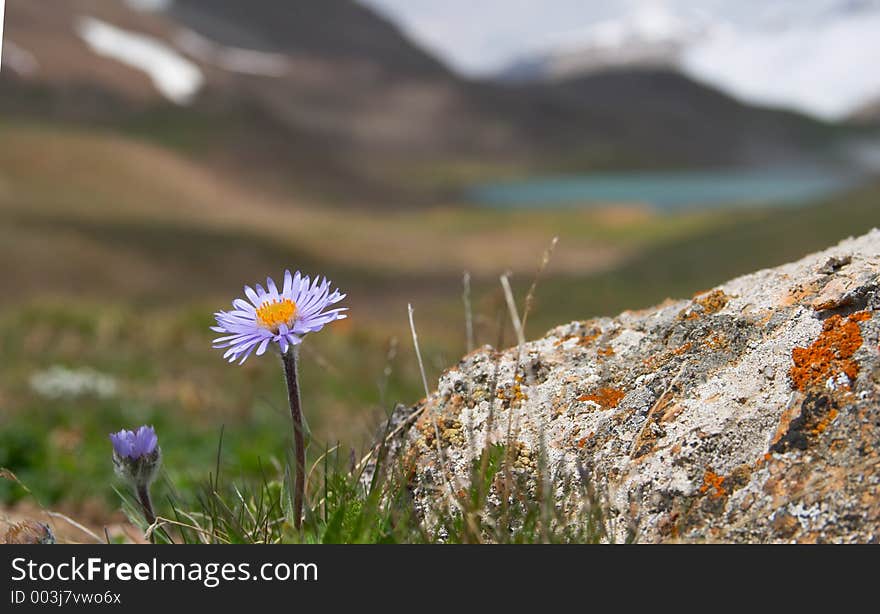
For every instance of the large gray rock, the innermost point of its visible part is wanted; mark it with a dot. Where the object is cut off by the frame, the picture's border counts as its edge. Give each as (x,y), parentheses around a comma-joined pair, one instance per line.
(750,412)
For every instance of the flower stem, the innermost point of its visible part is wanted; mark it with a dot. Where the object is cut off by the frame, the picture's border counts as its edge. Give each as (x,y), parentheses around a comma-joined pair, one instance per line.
(290,373)
(143,493)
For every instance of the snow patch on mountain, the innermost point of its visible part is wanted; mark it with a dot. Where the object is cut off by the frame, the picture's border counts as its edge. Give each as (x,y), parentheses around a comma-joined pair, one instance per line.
(646,25)
(149,6)
(232,59)
(173,75)
(19,59)
(2,14)
(650,36)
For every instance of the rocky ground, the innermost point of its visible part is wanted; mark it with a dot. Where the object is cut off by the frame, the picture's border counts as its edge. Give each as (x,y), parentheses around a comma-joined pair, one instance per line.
(749,413)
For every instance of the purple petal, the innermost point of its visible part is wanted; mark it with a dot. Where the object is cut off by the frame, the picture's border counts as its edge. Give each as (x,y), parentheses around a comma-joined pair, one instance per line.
(288,283)
(263,345)
(273,289)
(252,296)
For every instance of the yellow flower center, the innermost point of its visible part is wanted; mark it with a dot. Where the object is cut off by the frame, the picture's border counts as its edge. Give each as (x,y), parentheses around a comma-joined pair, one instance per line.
(272,314)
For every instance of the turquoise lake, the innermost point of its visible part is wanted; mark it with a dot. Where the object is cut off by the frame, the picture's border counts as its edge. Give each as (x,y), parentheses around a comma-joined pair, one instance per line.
(665,190)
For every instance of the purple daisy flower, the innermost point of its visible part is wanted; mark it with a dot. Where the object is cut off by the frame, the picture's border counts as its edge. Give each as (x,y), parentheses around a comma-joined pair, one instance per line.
(272,316)
(134,445)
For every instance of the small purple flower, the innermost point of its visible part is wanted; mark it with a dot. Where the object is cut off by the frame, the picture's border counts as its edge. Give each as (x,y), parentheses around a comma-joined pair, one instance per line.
(136,459)
(134,445)
(283,317)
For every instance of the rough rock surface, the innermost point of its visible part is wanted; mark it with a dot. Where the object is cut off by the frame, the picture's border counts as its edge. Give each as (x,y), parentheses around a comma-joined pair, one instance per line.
(749,413)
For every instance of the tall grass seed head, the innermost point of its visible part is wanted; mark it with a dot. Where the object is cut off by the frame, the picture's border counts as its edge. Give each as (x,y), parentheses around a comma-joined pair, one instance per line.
(136,455)
(272,316)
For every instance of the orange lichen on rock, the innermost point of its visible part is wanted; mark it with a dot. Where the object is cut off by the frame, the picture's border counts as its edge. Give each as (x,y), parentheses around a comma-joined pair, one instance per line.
(512,395)
(607,397)
(682,349)
(716,341)
(830,355)
(714,482)
(584,339)
(705,304)
(713,302)
(587,339)
(657,360)
(606,351)
(823,423)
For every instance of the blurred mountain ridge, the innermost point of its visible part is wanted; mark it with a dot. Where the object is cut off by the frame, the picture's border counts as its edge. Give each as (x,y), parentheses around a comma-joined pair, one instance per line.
(332,98)
(814,56)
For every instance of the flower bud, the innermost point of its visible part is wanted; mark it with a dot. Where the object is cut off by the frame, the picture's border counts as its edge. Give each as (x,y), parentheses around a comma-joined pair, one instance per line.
(136,455)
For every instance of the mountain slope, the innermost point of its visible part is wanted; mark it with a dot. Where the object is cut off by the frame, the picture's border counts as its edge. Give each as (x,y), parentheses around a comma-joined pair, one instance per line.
(868,113)
(656,118)
(331,29)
